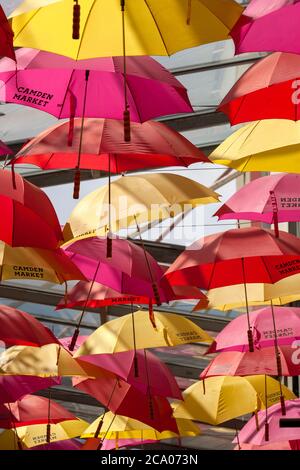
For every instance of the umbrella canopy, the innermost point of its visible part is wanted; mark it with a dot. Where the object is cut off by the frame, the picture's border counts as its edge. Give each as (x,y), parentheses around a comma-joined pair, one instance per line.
(68,444)
(117,335)
(14,388)
(233,336)
(284,445)
(250,435)
(37,264)
(214,401)
(103,296)
(25,205)
(155,197)
(152,145)
(268,90)
(33,410)
(153,376)
(268,145)
(56,84)
(240,255)
(6,37)
(30,436)
(149,28)
(258,362)
(273,31)
(19,327)
(265,199)
(122,398)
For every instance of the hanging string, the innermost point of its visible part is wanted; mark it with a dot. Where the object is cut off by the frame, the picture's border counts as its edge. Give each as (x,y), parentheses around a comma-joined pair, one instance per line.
(127,130)
(249,332)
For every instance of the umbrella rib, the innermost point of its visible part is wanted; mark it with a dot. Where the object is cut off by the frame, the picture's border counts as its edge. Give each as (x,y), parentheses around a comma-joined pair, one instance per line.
(26,23)
(65,97)
(161,36)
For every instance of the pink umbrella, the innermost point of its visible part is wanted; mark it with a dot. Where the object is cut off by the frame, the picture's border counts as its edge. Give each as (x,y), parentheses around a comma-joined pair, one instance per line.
(259,362)
(284,445)
(65,87)
(234,336)
(68,444)
(110,444)
(274,31)
(15,387)
(272,432)
(140,368)
(258,8)
(270,199)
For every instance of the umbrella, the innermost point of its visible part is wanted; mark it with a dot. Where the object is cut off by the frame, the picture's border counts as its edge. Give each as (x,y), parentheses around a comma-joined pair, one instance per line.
(128,333)
(268,145)
(155,197)
(268,90)
(103,296)
(122,398)
(124,428)
(37,264)
(273,432)
(6,37)
(19,327)
(153,375)
(13,388)
(213,401)
(261,361)
(284,445)
(68,444)
(34,435)
(24,205)
(233,337)
(33,410)
(148,29)
(269,199)
(56,84)
(273,31)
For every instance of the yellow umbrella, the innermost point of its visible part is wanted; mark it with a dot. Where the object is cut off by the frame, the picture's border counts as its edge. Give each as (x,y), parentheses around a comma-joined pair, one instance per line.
(50,360)
(149,197)
(36,264)
(134,331)
(231,297)
(35,435)
(122,427)
(149,26)
(219,399)
(268,145)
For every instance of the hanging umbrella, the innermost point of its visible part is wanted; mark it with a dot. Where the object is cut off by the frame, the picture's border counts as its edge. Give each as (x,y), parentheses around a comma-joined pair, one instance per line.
(261,361)
(149,29)
(33,410)
(155,197)
(153,375)
(213,401)
(57,84)
(34,435)
(13,388)
(233,337)
(36,264)
(6,37)
(128,333)
(268,90)
(268,145)
(250,435)
(284,445)
(104,296)
(29,219)
(19,327)
(68,444)
(273,31)
(122,398)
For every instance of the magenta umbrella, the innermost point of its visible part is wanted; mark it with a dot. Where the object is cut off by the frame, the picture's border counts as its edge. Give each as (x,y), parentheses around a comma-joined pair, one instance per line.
(270,199)
(15,387)
(272,432)
(66,88)
(68,444)
(274,31)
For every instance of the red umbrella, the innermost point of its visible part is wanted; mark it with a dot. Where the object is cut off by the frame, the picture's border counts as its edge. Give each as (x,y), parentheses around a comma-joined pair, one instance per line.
(15,387)
(18,327)
(6,37)
(268,90)
(122,398)
(32,410)
(153,375)
(103,148)
(28,217)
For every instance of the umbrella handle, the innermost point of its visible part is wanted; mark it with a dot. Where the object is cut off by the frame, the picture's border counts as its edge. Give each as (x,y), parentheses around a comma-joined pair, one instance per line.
(76,189)
(250,340)
(267,432)
(98,429)
(74,339)
(127,130)
(76,20)
(48,433)
(108,247)
(156,293)
(283,407)
(136,365)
